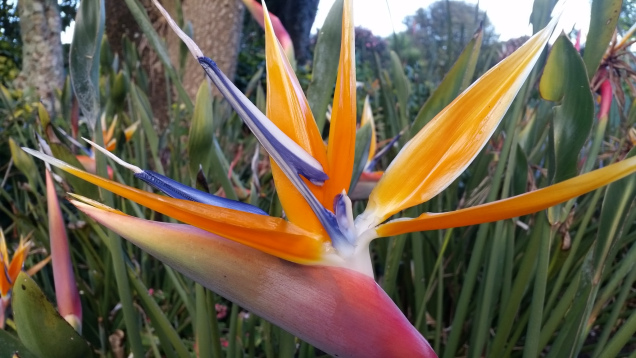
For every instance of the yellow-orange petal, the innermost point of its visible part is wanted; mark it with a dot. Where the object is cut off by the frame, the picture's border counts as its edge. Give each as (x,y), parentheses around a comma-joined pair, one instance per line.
(4,253)
(37,267)
(257,12)
(287,105)
(367,117)
(342,129)
(627,36)
(443,149)
(5,284)
(111,145)
(516,206)
(17,262)
(289,110)
(128,132)
(108,135)
(271,235)
(90,165)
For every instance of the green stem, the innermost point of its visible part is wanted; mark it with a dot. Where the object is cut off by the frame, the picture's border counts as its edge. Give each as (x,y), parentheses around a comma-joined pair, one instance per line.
(202,323)
(131,317)
(531,347)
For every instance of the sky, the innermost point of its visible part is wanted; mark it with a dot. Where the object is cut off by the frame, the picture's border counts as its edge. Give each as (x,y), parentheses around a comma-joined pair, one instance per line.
(510,17)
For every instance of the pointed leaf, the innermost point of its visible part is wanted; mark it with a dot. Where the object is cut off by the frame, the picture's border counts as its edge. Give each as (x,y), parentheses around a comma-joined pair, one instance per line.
(219,171)
(325,64)
(541,10)
(363,145)
(143,112)
(367,117)
(602,25)
(84,57)
(402,89)
(23,162)
(564,80)
(41,329)
(201,132)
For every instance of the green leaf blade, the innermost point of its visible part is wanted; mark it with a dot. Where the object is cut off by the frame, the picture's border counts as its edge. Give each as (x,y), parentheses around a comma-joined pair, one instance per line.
(40,327)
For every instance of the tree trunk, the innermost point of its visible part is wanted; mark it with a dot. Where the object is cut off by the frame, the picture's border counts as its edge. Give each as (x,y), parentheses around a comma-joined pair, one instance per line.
(121,23)
(42,63)
(217,28)
(297,16)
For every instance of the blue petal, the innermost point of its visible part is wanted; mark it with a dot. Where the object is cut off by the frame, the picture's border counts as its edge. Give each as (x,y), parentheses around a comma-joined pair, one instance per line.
(344,216)
(290,157)
(282,148)
(180,191)
(382,152)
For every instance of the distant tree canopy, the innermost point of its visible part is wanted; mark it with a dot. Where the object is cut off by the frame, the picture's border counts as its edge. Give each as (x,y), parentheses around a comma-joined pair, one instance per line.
(628,15)
(9,21)
(438,34)
(10,50)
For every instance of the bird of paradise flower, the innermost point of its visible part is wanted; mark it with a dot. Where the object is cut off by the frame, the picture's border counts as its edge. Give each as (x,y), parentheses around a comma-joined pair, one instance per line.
(88,160)
(312,274)
(10,268)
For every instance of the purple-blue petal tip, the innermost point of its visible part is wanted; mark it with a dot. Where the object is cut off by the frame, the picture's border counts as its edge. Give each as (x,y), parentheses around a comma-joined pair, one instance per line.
(178,190)
(382,152)
(292,158)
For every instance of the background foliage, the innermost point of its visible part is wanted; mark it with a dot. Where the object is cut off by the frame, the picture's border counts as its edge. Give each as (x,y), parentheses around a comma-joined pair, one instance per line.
(558,283)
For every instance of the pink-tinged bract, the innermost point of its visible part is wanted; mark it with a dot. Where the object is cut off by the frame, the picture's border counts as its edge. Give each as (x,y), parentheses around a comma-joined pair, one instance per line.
(66,293)
(340,311)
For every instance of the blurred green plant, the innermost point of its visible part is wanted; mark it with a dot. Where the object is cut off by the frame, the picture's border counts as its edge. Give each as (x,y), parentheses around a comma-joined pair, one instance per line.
(557,283)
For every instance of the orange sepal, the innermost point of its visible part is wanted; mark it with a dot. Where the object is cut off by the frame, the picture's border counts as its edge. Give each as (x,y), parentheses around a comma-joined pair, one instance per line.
(17,262)
(516,206)
(443,149)
(342,129)
(289,110)
(271,235)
